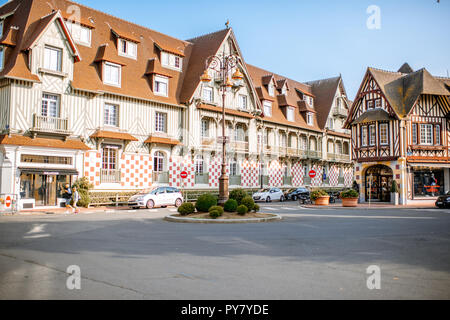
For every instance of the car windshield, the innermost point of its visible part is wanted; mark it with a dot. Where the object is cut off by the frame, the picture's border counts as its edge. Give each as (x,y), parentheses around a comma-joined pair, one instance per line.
(147,191)
(292,190)
(264,190)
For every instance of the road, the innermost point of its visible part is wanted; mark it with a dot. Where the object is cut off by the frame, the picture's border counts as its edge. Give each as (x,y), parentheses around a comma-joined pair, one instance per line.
(311,254)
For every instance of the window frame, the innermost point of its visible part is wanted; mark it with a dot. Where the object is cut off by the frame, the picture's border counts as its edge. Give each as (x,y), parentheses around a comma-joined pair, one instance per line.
(2,25)
(290,114)
(426,135)
(364,136)
(163,80)
(158,123)
(414,133)
(159,161)
(106,65)
(128,44)
(204,129)
(243,102)
(267,104)
(47,63)
(382,125)
(310,119)
(208,97)
(48,101)
(79,40)
(437,135)
(372,134)
(2,57)
(199,165)
(169,60)
(110,165)
(106,122)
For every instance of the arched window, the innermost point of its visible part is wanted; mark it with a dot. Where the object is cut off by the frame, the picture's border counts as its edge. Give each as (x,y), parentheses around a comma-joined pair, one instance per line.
(338,148)
(234,168)
(199,165)
(330,146)
(312,144)
(346,148)
(303,143)
(283,140)
(158,161)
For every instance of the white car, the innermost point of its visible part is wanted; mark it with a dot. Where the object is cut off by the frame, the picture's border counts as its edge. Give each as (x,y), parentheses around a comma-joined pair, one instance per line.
(157,197)
(269,195)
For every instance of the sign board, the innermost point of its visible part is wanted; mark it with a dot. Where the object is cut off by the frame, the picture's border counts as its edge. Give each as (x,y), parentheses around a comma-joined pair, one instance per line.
(8,202)
(184,175)
(312,174)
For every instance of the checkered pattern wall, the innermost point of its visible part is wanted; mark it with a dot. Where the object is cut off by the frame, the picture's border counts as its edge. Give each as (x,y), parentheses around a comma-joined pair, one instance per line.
(175,169)
(250,174)
(318,180)
(136,171)
(333,176)
(275,174)
(297,174)
(92,166)
(348,177)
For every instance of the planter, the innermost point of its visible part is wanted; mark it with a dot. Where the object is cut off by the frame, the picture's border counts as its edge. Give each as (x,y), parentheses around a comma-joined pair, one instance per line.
(395,199)
(322,201)
(350,202)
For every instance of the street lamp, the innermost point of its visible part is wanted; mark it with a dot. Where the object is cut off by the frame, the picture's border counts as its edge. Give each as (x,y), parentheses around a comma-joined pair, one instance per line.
(258,114)
(223,66)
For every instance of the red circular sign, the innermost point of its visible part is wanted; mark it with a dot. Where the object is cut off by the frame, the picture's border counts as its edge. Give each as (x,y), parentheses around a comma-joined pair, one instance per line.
(184,175)
(8,202)
(312,174)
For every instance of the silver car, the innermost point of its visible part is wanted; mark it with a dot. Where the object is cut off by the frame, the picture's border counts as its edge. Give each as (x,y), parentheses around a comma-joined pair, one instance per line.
(269,195)
(157,197)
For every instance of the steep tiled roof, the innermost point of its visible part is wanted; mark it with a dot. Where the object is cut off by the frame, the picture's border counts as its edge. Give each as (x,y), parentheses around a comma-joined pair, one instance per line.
(102,134)
(16,140)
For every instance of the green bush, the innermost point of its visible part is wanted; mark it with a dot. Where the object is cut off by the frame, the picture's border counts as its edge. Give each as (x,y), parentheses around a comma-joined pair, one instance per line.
(238,195)
(231,205)
(218,209)
(256,208)
(394,188)
(205,202)
(349,194)
(248,202)
(215,214)
(242,210)
(83,186)
(318,194)
(186,209)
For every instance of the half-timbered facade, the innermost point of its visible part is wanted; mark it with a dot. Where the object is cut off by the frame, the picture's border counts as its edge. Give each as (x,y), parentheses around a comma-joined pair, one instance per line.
(400,132)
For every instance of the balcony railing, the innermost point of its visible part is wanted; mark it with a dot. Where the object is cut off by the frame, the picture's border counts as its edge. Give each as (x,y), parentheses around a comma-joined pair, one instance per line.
(110,176)
(343,157)
(50,125)
(331,156)
(201,178)
(340,112)
(239,146)
(314,154)
(161,177)
(235,180)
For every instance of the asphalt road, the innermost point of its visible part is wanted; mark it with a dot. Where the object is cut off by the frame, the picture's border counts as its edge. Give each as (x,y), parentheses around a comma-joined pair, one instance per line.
(311,254)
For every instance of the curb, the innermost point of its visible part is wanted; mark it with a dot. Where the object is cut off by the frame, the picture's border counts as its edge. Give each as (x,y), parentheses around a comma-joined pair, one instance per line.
(365,208)
(272,218)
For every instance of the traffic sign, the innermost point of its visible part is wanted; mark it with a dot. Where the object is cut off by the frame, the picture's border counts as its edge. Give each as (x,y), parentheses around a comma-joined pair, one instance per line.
(312,174)
(8,202)
(184,175)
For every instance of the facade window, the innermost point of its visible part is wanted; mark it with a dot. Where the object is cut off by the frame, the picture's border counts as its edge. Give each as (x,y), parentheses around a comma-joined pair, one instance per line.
(171,61)
(438,140)
(109,158)
(205,128)
(414,133)
(331,123)
(303,143)
(372,135)
(127,49)
(310,101)
(112,74)
(160,122)
(161,86)
(158,161)
(271,89)
(239,133)
(234,168)
(369,104)
(290,114)
(426,134)
(283,140)
(378,103)
(111,115)
(1,28)
(364,136)
(310,119)
(208,94)
(52,58)
(80,34)
(243,101)
(384,134)
(199,165)
(50,106)
(267,108)
(284,90)
(2,58)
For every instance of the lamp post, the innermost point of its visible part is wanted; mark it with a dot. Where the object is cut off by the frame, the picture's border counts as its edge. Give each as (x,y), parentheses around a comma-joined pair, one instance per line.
(223,66)
(258,114)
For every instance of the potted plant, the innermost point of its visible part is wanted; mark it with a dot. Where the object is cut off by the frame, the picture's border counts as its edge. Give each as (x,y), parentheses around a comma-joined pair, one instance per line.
(350,198)
(320,197)
(394,193)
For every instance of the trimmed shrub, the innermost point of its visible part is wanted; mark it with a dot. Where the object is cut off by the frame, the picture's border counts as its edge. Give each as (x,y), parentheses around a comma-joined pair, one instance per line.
(349,194)
(231,205)
(256,208)
(186,209)
(248,202)
(242,210)
(238,195)
(83,186)
(205,202)
(394,187)
(217,208)
(215,214)
(318,194)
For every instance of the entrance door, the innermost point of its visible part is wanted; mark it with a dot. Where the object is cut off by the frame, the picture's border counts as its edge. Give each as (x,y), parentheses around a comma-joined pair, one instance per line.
(45,190)
(378,184)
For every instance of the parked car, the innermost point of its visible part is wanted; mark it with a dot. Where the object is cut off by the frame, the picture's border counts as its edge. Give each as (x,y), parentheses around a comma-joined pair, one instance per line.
(297,194)
(269,195)
(157,197)
(443,201)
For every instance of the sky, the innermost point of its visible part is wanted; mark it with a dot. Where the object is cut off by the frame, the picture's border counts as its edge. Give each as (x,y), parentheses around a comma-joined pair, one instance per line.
(307,40)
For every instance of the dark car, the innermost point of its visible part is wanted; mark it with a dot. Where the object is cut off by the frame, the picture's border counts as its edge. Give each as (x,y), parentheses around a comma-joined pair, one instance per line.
(443,201)
(297,194)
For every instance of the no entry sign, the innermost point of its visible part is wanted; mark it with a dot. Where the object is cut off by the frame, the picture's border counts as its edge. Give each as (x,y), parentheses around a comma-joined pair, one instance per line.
(184,175)
(312,174)
(8,202)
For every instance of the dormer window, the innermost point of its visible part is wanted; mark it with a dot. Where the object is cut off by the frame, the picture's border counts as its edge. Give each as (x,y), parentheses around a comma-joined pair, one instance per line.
(208,94)
(290,114)
(271,89)
(171,61)
(310,119)
(112,74)
(161,86)
(80,34)
(267,108)
(243,101)
(52,58)
(309,100)
(284,90)
(2,58)
(127,49)
(378,103)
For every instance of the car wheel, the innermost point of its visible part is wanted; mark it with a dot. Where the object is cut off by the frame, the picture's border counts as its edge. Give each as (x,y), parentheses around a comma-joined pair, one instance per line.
(178,203)
(150,204)
(268,200)
(282,199)
(294,198)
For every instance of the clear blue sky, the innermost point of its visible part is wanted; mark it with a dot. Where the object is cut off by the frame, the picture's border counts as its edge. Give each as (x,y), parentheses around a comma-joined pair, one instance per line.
(308,39)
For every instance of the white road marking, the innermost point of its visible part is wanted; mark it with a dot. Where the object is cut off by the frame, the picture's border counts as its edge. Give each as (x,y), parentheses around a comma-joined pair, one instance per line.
(34,232)
(357,217)
(38,236)
(37,228)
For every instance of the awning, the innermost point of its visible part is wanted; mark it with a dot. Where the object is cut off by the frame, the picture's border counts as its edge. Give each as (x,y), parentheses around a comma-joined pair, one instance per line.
(373,115)
(429,165)
(50,172)
(101,134)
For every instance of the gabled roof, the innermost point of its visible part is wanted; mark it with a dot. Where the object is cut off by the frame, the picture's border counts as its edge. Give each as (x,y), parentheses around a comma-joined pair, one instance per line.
(405,68)
(373,115)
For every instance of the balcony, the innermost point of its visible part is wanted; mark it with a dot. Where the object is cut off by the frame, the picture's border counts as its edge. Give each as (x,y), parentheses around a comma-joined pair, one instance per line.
(110,176)
(235,180)
(201,178)
(331,156)
(161,177)
(340,112)
(239,146)
(282,151)
(343,157)
(209,144)
(314,154)
(50,125)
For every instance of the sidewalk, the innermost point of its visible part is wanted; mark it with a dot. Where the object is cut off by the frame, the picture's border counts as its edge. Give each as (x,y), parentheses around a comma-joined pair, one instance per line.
(63,211)
(414,204)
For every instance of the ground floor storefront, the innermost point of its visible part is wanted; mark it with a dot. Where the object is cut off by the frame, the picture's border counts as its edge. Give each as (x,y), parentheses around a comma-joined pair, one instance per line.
(416,181)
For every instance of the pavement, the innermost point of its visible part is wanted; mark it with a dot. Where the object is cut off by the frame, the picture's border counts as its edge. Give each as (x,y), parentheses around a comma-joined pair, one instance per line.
(311,254)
